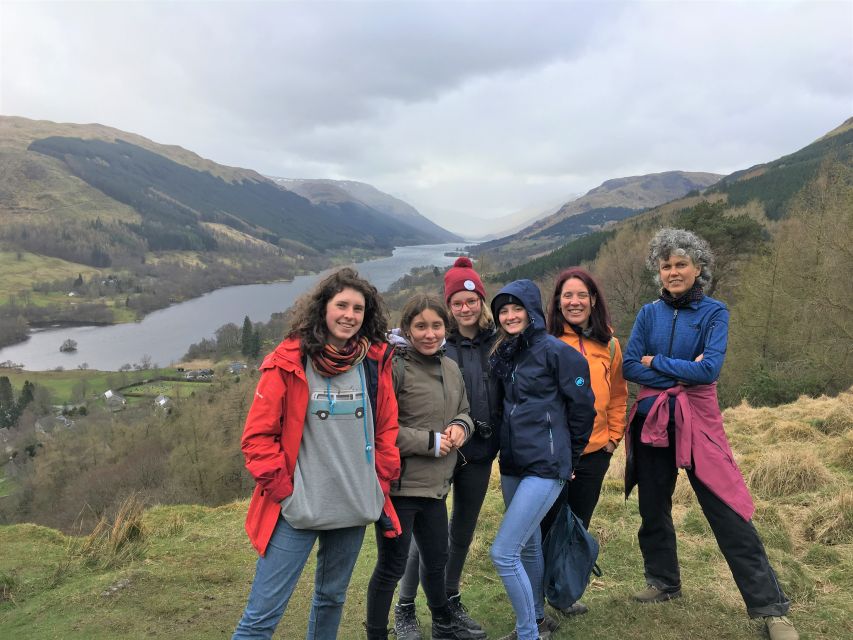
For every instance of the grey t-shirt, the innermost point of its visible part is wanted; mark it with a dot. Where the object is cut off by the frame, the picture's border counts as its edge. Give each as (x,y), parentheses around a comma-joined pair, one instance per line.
(334,482)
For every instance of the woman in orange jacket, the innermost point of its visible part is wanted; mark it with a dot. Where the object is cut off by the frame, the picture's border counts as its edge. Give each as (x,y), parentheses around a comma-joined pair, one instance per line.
(578,316)
(320,441)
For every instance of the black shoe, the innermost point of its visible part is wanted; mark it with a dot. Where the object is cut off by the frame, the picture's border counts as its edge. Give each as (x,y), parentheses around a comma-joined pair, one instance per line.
(452,629)
(460,613)
(406,623)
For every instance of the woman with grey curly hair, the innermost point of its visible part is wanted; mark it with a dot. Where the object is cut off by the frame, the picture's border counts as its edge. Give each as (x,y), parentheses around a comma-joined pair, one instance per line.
(675,353)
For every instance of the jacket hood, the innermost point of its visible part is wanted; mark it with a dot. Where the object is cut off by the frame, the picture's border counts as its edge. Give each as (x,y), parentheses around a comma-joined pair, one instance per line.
(285,356)
(531,299)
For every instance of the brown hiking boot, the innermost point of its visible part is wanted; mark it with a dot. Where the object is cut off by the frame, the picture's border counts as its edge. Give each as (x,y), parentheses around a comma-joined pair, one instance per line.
(780,628)
(653,594)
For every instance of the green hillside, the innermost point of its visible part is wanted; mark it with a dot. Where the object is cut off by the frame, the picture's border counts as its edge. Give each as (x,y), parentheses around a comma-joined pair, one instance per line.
(185,571)
(99,226)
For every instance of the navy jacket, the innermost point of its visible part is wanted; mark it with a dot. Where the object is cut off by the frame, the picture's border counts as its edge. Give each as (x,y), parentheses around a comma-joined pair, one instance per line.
(548,403)
(472,356)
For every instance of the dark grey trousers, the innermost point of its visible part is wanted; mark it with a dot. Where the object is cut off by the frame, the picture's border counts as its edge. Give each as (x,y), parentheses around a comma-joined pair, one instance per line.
(737,538)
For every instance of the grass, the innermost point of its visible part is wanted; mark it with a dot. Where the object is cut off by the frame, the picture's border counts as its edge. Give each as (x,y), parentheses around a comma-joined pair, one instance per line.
(61,384)
(165,387)
(20,274)
(191,567)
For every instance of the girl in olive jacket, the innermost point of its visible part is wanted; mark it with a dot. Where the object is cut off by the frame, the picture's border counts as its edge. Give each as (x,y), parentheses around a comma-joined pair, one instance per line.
(434,423)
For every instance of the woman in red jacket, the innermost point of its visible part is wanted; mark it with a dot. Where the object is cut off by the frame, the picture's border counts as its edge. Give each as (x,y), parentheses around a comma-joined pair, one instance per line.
(320,441)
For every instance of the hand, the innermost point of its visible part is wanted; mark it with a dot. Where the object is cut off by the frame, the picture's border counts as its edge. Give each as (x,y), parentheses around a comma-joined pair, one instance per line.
(699,358)
(445,446)
(610,447)
(646,361)
(455,434)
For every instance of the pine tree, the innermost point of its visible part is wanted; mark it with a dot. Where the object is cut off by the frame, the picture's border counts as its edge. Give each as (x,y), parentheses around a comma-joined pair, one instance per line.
(247,337)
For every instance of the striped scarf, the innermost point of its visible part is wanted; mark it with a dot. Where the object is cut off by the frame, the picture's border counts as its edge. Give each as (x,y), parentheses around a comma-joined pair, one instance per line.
(332,361)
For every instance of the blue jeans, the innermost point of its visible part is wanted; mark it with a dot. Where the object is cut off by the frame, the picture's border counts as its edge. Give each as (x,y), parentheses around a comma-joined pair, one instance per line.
(278,571)
(517,549)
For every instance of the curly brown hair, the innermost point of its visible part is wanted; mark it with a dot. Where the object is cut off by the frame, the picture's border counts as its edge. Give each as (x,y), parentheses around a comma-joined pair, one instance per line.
(309,312)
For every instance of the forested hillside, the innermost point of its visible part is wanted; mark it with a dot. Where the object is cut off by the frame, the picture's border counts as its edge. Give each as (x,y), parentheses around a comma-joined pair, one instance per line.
(99,225)
(612,201)
(783,237)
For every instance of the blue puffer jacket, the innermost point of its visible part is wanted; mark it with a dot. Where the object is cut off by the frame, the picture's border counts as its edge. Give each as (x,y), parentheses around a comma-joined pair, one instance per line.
(675,337)
(548,404)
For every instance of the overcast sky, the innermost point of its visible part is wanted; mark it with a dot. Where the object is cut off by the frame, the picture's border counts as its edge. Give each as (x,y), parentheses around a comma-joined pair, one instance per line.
(463,109)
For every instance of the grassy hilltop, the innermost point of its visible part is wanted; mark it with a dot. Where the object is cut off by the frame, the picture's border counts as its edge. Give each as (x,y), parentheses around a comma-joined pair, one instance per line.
(185,571)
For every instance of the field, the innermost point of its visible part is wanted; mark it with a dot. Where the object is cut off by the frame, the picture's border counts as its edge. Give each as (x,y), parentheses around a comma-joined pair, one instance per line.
(185,572)
(19,273)
(64,384)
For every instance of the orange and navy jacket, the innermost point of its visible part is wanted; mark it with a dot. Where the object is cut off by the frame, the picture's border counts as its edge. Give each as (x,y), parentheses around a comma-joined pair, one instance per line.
(273,433)
(608,385)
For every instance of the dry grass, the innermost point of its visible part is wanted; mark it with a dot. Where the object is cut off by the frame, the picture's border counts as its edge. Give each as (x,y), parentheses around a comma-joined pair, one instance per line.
(844,452)
(832,522)
(838,422)
(785,473)
(112,543)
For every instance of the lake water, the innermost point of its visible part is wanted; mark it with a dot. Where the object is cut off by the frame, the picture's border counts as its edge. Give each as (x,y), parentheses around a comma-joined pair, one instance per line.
(165,335)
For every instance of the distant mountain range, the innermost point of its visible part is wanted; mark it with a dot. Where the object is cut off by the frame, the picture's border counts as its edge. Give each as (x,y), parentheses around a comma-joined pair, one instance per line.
(343,193)
(612,201)
(769,187)
(167,198)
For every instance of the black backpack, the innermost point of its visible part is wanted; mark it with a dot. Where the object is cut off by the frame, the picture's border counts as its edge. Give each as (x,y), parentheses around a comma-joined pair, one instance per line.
(570,554)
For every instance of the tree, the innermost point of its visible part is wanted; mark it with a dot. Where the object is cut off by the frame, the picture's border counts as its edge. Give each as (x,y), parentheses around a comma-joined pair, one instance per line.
(247,338)
(7,395)
(792,324)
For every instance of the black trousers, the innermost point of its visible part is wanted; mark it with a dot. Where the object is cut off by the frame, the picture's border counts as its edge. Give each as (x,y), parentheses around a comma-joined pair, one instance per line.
(470,483)
(737,539)
(426,520)
(583,492)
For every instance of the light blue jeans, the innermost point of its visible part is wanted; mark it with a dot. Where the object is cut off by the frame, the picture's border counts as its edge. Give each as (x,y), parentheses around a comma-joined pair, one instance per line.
(278,571)
(517,549)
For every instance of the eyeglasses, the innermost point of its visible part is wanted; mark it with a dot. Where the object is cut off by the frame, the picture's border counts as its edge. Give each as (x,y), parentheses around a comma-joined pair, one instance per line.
(471,303)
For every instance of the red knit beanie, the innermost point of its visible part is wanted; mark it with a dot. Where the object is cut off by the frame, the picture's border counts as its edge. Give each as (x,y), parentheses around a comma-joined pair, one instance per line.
(462,277)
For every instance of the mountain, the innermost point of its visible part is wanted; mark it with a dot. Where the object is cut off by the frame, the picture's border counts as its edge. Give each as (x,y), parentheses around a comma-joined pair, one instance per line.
(613,200)
(358,194)
(774,184)
(90,204)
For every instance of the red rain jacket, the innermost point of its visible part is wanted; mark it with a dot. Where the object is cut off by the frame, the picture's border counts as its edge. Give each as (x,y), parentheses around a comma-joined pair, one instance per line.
(273,433)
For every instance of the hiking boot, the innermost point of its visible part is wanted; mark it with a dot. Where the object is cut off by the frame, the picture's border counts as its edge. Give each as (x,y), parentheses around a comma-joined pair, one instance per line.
(451,629)
(406,623)
(780,628)
(547,626)
(460,613)
(577,609)
(653,594)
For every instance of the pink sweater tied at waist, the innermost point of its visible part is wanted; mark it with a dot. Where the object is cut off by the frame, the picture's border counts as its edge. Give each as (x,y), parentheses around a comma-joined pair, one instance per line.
(700,440)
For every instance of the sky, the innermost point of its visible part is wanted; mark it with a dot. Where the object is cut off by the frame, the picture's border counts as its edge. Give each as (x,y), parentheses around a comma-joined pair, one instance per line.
(469,111)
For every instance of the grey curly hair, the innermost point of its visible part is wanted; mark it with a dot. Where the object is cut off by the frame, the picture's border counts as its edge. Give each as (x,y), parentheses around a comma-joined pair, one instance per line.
(680,242)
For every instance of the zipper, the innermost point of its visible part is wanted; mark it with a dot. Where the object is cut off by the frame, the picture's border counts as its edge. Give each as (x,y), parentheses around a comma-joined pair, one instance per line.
(550,433)
(580,341)
(672,332)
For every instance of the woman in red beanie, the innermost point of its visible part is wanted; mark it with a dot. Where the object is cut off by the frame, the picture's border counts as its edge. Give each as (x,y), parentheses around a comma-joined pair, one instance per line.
(472,334)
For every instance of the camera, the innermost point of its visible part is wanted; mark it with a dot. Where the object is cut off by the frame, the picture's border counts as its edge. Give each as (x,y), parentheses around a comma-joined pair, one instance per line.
(482,428)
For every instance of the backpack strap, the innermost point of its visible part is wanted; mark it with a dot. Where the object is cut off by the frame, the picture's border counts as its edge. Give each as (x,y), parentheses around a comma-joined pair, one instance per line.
(612,345)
